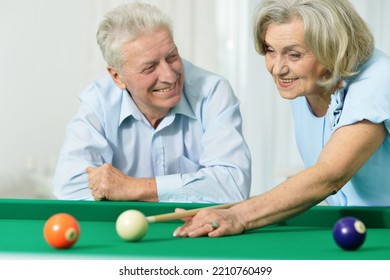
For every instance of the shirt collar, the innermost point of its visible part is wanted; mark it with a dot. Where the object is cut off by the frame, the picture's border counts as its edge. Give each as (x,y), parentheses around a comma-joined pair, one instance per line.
(129,108)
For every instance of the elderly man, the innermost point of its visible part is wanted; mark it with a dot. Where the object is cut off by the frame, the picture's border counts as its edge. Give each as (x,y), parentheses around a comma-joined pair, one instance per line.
(157,128)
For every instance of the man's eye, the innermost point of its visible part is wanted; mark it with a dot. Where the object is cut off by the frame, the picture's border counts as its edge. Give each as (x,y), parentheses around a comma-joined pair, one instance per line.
(148,69)
(172,58)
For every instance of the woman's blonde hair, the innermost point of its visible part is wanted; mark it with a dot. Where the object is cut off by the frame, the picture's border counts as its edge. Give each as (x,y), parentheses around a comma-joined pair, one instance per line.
(334,32)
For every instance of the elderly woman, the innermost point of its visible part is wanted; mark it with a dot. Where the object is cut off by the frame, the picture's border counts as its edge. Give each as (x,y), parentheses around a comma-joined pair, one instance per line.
(321,55)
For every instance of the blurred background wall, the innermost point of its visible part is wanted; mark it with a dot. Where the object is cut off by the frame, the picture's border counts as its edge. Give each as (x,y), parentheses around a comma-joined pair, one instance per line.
(48,54)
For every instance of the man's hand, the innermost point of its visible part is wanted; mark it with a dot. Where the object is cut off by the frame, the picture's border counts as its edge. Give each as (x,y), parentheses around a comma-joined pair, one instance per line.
(107,182)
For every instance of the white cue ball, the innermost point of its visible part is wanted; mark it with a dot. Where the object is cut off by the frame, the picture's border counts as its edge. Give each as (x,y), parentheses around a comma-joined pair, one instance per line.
(131,225)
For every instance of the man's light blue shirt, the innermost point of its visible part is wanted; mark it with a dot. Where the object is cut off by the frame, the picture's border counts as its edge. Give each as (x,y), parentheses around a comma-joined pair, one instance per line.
(196,154)
(365,96)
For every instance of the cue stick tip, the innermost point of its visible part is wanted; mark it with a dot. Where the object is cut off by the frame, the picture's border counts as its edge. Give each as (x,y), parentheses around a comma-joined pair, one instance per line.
(151,219)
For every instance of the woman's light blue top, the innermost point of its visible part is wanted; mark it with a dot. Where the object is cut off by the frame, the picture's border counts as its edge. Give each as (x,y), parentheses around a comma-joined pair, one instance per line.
(365,96)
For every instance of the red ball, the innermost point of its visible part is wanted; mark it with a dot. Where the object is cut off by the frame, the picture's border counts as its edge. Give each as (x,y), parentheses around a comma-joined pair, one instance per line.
(61,231)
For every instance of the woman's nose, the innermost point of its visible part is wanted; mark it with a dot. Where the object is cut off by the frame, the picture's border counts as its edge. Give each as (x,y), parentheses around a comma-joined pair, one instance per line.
(280,66)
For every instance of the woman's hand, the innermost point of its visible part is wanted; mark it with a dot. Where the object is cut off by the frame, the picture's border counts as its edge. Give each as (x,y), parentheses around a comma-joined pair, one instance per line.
(212,223)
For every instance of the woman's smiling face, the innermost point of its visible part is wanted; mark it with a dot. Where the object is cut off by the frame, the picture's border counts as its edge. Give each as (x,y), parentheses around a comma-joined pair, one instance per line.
(292,65)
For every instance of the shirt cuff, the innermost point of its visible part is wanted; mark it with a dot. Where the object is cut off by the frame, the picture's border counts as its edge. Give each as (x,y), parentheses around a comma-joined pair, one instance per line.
(168,185)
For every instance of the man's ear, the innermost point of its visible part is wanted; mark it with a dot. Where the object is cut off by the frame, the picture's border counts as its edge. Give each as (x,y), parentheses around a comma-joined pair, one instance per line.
(116,77)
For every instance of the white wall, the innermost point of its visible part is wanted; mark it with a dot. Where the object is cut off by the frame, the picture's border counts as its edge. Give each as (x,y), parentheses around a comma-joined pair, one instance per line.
(42,62)
(48,55)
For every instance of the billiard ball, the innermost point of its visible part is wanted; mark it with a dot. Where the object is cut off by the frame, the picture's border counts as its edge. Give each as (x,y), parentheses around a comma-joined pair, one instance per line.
(61,231)
(131,225)
(349,233)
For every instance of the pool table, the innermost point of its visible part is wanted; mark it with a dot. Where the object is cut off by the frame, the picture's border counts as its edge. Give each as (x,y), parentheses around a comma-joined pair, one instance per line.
(305,237)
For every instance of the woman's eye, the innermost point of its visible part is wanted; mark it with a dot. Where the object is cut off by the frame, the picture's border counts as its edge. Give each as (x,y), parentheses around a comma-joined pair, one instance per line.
(269,51)
(294,55)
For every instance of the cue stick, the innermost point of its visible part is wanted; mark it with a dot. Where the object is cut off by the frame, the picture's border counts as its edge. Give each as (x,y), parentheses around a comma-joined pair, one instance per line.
(187,213)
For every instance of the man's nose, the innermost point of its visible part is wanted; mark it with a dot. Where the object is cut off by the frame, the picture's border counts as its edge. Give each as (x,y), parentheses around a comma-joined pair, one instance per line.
(166,73)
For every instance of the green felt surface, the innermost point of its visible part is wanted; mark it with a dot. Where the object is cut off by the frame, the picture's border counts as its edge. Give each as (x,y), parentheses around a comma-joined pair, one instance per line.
(305,237)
